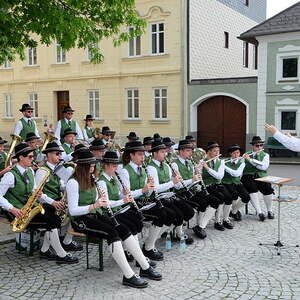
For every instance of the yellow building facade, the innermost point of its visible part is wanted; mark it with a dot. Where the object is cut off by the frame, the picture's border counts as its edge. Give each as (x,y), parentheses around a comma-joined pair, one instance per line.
(138,87)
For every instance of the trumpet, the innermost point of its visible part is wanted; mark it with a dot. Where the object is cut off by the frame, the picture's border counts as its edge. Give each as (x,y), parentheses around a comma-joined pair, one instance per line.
(15,139)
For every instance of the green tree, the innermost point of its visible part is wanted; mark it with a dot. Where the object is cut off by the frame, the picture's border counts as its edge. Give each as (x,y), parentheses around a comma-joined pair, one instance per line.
(72,23)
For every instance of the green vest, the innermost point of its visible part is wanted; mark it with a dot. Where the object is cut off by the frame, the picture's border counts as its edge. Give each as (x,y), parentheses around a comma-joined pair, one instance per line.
(26,128)
(89,132)
(3,157)
(252,170)
(67,148)
(64,125)
(52,186)
(136,181)
(22,190)
(185,172)
(112,190)
(228,179)
(207,178)
(162,172)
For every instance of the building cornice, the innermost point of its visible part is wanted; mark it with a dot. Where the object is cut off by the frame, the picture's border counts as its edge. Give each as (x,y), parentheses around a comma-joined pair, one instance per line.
(233,80)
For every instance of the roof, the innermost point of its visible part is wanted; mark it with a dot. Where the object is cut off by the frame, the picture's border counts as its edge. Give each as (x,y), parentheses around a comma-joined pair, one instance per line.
(286,21)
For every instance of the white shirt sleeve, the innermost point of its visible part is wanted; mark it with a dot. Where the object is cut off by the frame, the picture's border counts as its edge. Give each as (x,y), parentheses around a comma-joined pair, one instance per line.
(72,190)
(39,175)
(65,173)
(36,130)
(57,132)
(291,143)
(125,179)
(235,173)
(79,132)
(217,174)
(85,136)
(265,163)
(112,203)
(18,128)
(6,182)
(159,187)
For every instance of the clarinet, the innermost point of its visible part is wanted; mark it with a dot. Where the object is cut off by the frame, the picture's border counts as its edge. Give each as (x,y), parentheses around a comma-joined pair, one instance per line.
(127,191)
(203,186)
(157,200)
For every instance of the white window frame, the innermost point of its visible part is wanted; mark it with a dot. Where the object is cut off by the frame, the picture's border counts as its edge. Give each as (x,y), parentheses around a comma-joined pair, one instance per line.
(134,44)
(93,110)
(7,99)
(133,98)
(279,110)
(6,65)
(62,53)
(32,56)
(157,38)
(34,103)
(160,104)
(88,52)
(279,68)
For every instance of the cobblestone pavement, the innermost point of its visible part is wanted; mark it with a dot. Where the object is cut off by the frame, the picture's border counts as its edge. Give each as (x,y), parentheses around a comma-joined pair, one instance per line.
(226,265)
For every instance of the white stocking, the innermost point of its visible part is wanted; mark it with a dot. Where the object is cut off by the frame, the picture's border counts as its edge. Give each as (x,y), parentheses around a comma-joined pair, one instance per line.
(209,213)
(268,202)
(255,202)
(46,242)
(226,212)
(219,213)
(154,232)
(55,243)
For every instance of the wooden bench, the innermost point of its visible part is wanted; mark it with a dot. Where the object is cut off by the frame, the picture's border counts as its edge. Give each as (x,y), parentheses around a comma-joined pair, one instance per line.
(89,240)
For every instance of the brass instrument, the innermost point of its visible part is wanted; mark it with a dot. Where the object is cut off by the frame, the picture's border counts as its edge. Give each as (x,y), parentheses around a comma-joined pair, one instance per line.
(30,209)
(15,139)
(198,155)
(97,133)
(114,147)
(49,137)
(63,213)
(197,171)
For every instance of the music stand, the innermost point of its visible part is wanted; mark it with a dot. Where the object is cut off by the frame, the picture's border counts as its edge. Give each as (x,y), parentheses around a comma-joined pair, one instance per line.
(279,181)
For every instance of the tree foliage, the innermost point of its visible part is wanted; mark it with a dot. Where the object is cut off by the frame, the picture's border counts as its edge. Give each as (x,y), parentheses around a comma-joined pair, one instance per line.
(72,23)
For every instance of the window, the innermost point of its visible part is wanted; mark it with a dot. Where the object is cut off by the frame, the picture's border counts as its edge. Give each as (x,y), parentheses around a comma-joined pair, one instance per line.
(157,38)
(6,64)
(246,2)
(255,57)
(288,120)
(134,44)
(290,67)
(226,39)
(7,106)
(132,103)
(94,103)
(245,55)
(60,54)
(32,56)
(89,51)
(160,103)
(33,101)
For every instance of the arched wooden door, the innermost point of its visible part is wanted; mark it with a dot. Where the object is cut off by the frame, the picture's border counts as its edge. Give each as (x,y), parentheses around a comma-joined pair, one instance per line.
(222,119)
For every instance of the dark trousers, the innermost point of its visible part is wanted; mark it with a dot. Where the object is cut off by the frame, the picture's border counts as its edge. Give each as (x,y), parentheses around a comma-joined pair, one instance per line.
(220,191)
(238,190)
(253,186)
(130,219)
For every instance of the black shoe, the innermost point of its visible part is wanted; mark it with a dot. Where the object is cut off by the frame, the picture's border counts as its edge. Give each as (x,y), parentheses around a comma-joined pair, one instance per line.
(151,263)
(188,239)
(237,217)
(68,259)
(48,255)
(151,274)
(271,215)
(200,232)
(153,254)
(135,282)
(129,257)
(219,226)
(261,217)
(73,246)
(164,235)
(227,224)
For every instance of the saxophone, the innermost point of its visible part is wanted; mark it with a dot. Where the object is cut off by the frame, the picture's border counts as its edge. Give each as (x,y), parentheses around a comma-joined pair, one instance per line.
(63,213)
(29,210)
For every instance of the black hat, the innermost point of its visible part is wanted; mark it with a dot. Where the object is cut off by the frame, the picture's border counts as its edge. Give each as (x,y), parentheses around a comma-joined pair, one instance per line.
(190,138)
(234,147)
(25,107)
(184,144)
(256,140)
(85,157)
(68,131)
(156,137)
(147,140)
(157,145)
(132,136)
(97,144)
(168,142)
(2,141)
(67,109)
(52,147)
(111,157)
(21,149)
(106,131)
(134,146)
(211,145)
(31,136)
(89,118)
(78,148)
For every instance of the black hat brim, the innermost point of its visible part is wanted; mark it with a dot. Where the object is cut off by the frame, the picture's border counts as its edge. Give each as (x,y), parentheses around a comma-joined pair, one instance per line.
(257,142)
(54,149)
(232,149)
(86,161)
(32,138)
(23,151)
(3,142)
(69,132)
(157,148)
(93,148)
(111,161)
(134,149)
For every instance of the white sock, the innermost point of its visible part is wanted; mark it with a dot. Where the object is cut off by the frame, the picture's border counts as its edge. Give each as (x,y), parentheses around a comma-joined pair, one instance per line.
(55,243)
(219,214)
(154,232)
(237,205)
(118,255)
(226,212)
(200,216)
(137,238)
(68,237)
(268,202)
(255,202)
(46,242)
(209,213)
(179,231)
(134,248)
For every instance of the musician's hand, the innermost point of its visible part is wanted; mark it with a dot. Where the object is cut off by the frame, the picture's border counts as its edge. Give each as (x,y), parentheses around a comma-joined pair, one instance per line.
(128,199)
(288,134)
(109,145)
(102,203)
(271,128)
(176,179)
(39,194)
(196,178)
(16,212)
(205,165)
(246,156)
(148,187)
(59,205)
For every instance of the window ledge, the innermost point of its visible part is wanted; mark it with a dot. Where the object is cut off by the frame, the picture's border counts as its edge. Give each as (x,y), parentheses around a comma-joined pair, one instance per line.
(8,118)
(37,118)
(86,62)
(159,121)
(132,121)
(98,120)
(6,69)
(31,67)
(288,80)
(134,58)
(60,64)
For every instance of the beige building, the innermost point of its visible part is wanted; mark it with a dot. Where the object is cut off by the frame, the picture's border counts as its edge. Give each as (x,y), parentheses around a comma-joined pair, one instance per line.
(139,86)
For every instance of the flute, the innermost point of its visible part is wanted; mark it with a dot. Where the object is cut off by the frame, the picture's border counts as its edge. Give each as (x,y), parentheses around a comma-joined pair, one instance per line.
(127,191)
